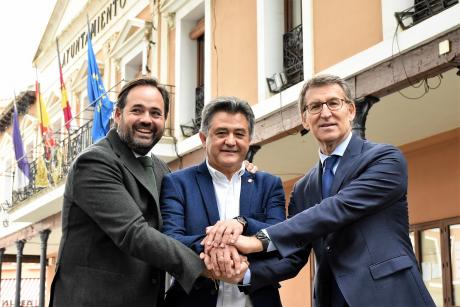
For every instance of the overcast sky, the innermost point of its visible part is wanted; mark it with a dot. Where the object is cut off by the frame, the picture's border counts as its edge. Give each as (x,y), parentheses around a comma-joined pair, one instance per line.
(22,23)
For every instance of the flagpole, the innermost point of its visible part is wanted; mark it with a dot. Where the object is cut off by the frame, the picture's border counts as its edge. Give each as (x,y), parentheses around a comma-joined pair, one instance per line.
(65,104)
(37,97)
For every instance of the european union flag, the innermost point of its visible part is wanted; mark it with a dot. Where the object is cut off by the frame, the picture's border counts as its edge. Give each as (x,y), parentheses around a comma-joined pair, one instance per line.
(97,96)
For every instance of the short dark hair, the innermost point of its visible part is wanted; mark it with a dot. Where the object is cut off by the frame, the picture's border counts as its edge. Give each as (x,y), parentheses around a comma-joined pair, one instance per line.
(121,100)
(321,80)
(230,105)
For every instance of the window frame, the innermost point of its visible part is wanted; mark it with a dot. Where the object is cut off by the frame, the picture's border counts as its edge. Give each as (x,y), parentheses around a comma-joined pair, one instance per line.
(446,261)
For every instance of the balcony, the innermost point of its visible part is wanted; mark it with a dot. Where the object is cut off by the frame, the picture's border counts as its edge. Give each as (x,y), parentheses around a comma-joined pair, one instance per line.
(422,10)
(293,56)
(49,169)
(192,128)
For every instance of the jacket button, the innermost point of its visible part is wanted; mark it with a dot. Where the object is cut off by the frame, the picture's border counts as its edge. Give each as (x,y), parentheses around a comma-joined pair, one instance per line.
(328,248)
(154,281)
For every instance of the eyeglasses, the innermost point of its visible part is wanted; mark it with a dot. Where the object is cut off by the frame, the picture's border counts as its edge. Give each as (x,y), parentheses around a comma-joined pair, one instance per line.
(333,104)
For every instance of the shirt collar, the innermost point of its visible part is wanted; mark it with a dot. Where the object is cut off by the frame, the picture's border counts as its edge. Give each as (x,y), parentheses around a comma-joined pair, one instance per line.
(218,175)
(138,155)
(338,151)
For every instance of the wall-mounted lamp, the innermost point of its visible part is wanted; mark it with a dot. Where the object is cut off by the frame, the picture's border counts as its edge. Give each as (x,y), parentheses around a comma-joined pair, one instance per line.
(277,82)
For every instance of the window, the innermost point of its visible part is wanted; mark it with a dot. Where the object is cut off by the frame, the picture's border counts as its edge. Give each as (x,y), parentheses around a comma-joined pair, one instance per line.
(437,248)
(454,232)
(293,42)
(197,34)
(190,66)
(430,246)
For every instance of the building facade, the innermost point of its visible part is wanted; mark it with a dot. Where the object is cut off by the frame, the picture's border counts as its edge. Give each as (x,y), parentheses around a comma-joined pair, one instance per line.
(401,57)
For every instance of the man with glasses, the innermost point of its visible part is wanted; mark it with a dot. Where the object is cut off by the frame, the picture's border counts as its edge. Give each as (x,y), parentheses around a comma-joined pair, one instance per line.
(351,208)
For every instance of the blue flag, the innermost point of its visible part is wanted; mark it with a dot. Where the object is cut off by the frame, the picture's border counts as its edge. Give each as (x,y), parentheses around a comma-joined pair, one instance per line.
(23,174)
(97,96)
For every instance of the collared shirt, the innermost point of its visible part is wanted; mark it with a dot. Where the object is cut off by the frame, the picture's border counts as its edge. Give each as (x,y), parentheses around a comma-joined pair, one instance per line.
(228,202)
(338,151)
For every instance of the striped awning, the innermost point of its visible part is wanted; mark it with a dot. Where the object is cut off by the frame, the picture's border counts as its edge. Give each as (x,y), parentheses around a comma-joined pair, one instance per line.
(29,292)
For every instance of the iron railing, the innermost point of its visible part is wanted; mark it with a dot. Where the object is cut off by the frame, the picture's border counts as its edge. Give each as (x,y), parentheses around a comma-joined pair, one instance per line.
(293,55)
(422,10)
(52,167)
(191,128)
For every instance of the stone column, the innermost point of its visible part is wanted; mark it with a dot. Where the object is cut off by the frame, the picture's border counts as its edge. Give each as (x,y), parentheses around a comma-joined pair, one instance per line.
(44,234)
(2,252)
(20,248)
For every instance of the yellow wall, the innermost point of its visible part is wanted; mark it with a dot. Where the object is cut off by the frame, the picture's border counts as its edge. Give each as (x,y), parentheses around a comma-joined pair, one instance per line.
(234,49)
(344,28)
(434,177)
(296,291)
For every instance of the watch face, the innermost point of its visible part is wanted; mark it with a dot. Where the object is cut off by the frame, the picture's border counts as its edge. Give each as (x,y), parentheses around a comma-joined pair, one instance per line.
(241,220)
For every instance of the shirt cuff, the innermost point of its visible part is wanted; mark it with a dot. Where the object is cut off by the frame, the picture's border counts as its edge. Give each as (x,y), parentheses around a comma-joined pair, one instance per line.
(246,279)
(271,247)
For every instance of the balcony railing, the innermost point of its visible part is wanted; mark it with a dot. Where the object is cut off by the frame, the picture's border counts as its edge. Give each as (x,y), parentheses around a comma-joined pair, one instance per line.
(293,55)
(193,127)
(199,104)
(422,10)
(51,168)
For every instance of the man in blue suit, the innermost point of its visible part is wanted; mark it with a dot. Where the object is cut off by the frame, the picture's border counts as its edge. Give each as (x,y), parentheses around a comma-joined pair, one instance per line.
(221,193)
(351,211)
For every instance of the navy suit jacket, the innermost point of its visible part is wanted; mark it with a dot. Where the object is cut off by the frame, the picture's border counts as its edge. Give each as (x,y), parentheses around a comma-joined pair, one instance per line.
(189,205)
(360,234)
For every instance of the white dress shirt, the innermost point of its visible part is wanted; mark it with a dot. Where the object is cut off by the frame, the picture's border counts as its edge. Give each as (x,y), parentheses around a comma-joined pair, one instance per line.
(228,202)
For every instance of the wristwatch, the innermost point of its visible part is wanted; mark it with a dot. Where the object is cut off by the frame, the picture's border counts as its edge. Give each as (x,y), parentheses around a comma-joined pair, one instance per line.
(262,237)
(243,221)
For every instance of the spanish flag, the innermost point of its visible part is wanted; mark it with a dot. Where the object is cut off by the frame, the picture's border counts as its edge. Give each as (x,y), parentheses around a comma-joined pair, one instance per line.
(45,129)
(64,99)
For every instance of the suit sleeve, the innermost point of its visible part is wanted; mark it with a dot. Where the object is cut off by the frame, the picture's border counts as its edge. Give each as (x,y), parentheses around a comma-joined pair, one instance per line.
(173,212)
(275,268)
(99,190)
(379,179)
(268,269)
(273,206)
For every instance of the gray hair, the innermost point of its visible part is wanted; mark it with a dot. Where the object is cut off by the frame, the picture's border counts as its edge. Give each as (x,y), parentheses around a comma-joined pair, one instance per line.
(321,80)
(231,105)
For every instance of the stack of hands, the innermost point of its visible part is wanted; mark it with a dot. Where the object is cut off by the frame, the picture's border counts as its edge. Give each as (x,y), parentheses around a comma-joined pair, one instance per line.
(224,249)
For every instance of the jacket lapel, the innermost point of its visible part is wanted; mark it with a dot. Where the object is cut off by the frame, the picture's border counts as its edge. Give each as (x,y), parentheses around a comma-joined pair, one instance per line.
(131,163)
(208,194)
(247,188)
(354,148)
(317,182)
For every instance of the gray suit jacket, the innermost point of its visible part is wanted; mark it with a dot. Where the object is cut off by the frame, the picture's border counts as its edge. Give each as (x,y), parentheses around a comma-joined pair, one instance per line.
(111,252)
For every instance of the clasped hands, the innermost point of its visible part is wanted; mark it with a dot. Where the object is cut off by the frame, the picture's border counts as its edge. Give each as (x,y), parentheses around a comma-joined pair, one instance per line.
(221,256)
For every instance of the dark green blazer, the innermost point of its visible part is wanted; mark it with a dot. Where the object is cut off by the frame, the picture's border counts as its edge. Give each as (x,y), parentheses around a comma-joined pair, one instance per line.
(111,252)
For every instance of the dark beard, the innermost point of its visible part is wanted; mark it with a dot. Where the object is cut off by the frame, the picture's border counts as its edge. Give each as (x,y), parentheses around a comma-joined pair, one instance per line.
(140,148)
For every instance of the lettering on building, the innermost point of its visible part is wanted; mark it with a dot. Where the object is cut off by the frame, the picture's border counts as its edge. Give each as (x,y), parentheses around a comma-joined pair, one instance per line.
(97,25)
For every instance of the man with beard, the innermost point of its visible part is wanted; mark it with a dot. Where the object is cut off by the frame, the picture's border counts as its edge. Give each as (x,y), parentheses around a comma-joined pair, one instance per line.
(111,253)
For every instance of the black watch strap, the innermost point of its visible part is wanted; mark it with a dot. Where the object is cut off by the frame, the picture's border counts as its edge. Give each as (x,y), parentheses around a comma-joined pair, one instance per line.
(262,237)
(243,221)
